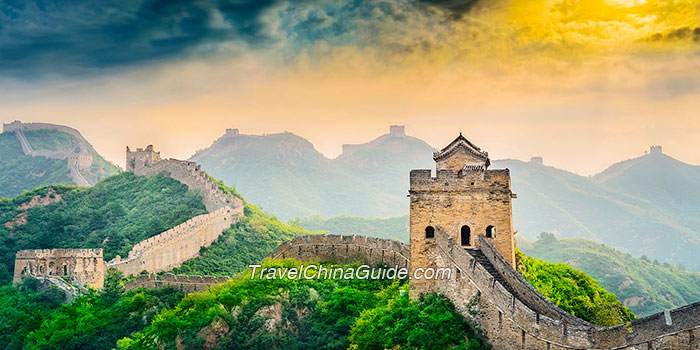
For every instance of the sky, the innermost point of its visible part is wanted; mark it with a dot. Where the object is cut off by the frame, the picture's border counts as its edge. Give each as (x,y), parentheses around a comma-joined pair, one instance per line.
(583,84)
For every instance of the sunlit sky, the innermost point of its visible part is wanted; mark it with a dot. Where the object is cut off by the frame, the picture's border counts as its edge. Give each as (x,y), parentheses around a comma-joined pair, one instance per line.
(582,83)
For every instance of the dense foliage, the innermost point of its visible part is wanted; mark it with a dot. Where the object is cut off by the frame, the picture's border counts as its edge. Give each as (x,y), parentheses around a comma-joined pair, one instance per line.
(115,214)
(573,291)
(427,324)
(19,172)
(22,311)
(645,286)
(250,313)
(95,320)
(391,228)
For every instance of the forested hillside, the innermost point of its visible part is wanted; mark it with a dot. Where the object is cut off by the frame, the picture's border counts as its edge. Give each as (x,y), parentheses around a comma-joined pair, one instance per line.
(115,214)
(645,286)
(20,172)
(243,313)
(573,291)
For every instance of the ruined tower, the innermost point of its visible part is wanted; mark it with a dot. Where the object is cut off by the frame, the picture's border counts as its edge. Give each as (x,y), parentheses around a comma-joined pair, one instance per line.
(140,157)
(83,267)
(464,200)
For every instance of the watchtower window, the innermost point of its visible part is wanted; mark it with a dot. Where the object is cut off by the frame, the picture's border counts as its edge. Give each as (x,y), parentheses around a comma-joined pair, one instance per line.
(466,234)
(490,232)
(429,232)
(65,270)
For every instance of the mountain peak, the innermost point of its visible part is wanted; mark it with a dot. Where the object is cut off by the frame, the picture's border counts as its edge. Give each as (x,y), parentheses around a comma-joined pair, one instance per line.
(394,142)
(652,159)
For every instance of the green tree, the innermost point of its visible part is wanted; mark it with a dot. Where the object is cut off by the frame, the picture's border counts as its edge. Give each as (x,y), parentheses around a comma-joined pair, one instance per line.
(113,284)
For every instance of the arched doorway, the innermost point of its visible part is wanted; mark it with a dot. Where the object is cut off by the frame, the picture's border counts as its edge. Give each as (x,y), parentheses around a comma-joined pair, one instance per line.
(429,232)
(466,236)
(490,232)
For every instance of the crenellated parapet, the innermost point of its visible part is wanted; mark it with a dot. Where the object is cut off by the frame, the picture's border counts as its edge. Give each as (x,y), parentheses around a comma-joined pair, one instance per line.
(183,283)
(516,316)
(147,162)
(171,248)
(345,249)
(19,126)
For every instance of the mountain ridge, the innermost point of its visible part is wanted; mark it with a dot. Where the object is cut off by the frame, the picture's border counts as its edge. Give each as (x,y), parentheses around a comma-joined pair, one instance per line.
(39,154)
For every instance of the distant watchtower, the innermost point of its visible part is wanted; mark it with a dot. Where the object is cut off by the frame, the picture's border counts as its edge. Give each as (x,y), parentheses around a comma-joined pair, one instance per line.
(464,200)
(141,157)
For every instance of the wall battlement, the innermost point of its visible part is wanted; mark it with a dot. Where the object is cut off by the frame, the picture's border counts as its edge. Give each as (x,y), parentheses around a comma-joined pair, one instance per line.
(183,283)
(450,180)
(527,320)
(461,219)
(147,162)
(171,248)
(19,126)
(344,249)
(512,312)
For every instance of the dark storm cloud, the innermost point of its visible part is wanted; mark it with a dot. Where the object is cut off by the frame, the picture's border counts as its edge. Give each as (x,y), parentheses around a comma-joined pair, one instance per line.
(456,8)
(63,37)
(75,37)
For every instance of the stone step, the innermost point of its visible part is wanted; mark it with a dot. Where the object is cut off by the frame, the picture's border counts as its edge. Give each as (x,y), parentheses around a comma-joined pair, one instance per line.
(486,264)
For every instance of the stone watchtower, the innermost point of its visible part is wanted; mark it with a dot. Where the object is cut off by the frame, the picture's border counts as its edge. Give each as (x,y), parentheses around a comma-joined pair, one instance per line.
(464,200)
(140,157)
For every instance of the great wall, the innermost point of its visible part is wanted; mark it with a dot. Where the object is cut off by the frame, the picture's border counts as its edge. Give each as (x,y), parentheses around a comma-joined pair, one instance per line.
(184,283)
(183,242)
(161,252)
(77,161)
(345,249)
(460,219)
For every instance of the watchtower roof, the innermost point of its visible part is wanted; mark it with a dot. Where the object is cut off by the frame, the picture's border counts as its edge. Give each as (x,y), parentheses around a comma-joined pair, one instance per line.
(461,142)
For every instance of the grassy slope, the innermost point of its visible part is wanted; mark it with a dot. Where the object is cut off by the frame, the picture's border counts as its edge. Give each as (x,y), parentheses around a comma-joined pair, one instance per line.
(641,285)
(20,172)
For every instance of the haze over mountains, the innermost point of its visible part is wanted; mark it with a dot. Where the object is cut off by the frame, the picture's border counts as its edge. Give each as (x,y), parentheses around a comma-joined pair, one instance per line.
(286,175)
(644,206)
(649,205)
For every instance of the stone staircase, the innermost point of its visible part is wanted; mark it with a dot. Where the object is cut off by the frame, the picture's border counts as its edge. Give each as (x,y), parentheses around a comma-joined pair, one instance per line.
(484,261)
